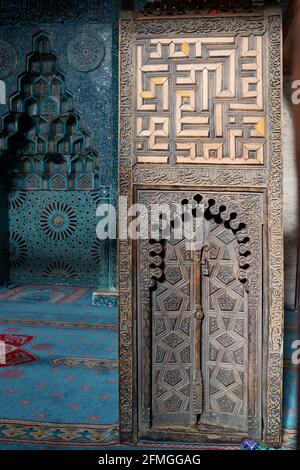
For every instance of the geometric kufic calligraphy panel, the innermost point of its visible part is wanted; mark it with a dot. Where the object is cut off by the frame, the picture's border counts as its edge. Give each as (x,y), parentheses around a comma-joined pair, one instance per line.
(200,100)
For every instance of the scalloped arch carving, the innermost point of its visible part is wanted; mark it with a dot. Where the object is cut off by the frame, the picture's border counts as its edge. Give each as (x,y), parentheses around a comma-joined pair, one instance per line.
(230,300)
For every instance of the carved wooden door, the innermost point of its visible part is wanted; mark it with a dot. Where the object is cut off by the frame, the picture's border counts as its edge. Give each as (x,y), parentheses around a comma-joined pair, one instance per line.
(201,330)
(199,367)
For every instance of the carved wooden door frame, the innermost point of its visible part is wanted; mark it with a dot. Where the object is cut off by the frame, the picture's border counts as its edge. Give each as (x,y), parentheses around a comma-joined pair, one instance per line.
(264,178)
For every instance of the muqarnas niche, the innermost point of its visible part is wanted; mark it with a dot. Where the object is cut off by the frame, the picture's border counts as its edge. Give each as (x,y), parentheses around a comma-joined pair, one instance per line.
(52,174)
(42,135)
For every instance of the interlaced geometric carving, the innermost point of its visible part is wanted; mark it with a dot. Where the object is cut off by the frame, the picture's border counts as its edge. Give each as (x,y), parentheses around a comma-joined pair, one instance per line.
(226,302)
(225,306)
(173,306)
(173,377)
(226,275)
(200,100)
(225,340)
(172,404)
(173,337)
(225,377)
(173,340)
(172,302)
(173,275)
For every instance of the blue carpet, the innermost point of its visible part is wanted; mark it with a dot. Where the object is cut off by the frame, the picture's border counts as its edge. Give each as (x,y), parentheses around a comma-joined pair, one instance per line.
(57,294)
(68,397)
(59,386)
(69,394)
(13,312)
(126,446)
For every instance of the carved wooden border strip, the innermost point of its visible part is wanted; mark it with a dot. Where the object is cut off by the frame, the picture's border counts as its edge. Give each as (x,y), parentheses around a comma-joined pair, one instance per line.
(125,247)
(183,176)
(275,365)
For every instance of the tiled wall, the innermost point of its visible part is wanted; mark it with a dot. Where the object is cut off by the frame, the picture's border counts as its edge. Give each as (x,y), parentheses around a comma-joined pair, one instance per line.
(52,213)
(3,236)
(289,197)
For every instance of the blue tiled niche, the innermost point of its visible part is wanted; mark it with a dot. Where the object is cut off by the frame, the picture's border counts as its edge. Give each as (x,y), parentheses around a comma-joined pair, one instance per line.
(58,140)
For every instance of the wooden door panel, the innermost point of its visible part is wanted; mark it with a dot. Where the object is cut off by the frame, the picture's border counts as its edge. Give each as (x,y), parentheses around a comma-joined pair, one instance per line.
(225,364)
(230,343)
(173,304)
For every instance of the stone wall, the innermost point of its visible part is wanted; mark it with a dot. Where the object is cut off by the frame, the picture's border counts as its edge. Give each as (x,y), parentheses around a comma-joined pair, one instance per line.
(290,196)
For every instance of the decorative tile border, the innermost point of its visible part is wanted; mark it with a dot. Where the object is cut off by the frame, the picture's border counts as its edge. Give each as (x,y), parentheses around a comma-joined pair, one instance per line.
(100,300)
(32,432)
(59,324)
(86,362)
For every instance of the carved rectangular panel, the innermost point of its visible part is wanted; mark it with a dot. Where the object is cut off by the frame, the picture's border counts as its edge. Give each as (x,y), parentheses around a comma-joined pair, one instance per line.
(201,99)
(226,327)
(173,360)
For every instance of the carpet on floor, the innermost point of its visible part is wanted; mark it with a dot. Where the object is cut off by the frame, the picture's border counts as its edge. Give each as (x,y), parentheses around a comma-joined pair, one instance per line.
(59,385)
(59,388)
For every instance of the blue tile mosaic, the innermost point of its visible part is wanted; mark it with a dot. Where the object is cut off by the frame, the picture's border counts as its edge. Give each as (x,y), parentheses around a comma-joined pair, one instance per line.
(53,238)
(3,237)
(59,134)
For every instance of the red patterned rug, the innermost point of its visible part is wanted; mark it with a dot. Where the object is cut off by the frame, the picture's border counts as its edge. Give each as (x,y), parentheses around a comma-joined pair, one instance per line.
(11,349)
